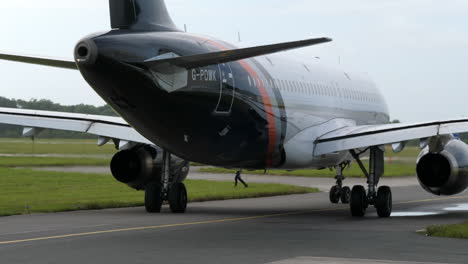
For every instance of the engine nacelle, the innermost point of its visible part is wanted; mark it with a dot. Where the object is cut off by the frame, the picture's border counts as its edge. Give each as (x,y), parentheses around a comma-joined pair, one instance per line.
(141,165)
(444,172)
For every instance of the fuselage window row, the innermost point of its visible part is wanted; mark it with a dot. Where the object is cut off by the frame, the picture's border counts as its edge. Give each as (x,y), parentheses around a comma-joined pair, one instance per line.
(332,90)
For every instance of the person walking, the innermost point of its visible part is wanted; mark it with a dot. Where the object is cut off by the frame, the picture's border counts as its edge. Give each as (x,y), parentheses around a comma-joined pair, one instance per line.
(239,179)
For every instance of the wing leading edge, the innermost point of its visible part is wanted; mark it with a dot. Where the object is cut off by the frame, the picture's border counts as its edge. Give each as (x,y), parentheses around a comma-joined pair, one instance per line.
(356,137)
(57,63)
(103,126)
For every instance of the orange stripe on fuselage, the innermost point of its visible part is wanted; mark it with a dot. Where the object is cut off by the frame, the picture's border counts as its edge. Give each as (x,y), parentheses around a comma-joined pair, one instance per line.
(266,102)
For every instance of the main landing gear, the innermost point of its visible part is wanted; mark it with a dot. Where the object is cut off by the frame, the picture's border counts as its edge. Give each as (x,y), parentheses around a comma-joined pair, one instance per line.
(338,192)
(380,199)
(166,190)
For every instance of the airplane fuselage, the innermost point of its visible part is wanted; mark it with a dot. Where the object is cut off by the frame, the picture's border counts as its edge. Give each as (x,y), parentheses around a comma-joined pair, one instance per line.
(245,114)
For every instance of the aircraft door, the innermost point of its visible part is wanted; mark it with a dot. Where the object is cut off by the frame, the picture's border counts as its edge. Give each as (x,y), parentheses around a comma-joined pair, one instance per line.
(227,89)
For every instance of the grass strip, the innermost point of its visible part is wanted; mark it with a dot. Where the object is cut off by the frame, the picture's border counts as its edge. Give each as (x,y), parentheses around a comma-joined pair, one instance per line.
(26,191)
(51,161)
(54,146)
(89,146)
(396,169)
(449,231)
(408,152)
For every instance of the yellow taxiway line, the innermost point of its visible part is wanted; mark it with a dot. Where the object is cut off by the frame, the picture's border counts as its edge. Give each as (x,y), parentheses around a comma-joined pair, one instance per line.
(207,222)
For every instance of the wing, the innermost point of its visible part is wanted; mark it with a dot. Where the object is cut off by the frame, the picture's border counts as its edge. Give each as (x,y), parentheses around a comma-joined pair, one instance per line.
(354,137)
(57,63)
(105,127)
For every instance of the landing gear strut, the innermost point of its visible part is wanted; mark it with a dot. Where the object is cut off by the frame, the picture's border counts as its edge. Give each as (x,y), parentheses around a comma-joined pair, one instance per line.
(166,190)
(381,199)
(338,192)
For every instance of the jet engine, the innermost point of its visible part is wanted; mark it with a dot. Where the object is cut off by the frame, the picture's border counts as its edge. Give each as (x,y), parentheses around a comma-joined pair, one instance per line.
(442,167)
(141,165)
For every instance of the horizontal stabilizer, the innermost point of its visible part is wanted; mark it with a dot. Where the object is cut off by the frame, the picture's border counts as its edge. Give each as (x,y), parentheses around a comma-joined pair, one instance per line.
(64,64)
(201,60)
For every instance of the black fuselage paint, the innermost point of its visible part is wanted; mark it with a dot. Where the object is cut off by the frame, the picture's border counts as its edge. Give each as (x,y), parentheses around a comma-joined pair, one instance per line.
(211,119)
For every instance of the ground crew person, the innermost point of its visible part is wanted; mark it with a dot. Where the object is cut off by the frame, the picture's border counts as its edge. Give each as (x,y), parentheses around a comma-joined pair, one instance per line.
(239,179)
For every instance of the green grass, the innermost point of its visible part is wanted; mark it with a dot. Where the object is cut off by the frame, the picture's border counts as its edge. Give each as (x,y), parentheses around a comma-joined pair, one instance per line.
(450,231)
(26,146)
(51,161)
(408,152)
(88,146)
(54,146)
(25,191)
(396,169)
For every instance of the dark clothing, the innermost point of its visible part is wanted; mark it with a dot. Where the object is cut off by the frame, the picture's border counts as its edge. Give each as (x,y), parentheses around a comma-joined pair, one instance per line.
(239,179)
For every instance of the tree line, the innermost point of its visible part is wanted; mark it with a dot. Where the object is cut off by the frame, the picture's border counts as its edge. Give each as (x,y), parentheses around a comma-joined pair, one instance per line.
(47,105)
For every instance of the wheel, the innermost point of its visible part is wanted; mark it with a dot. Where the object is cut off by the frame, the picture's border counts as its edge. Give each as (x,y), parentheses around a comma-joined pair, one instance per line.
(345,195)
(178,198)
(335,194)
(358,201)
(153,198)
(383,202)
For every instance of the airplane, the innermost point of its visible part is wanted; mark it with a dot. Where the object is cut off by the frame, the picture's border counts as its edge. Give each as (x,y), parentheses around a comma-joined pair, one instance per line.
(188,98)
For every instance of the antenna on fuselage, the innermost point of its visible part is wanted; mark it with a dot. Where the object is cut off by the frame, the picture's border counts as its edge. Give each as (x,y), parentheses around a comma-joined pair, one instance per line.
(185,28)
(239,36)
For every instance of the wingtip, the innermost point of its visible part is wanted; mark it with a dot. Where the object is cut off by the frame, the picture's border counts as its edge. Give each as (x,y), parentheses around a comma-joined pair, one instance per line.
(321,40)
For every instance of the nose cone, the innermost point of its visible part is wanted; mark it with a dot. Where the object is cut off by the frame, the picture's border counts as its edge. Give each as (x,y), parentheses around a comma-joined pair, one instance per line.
(86,52)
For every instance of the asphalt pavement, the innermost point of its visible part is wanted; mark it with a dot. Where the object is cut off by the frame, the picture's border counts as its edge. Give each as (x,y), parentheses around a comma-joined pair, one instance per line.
(286,229)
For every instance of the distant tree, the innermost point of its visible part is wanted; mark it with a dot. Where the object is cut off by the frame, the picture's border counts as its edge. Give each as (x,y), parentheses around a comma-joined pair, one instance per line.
(396,121)
(4,102)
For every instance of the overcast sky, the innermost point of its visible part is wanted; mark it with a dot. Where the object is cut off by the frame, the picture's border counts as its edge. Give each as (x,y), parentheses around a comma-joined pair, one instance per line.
(415,50)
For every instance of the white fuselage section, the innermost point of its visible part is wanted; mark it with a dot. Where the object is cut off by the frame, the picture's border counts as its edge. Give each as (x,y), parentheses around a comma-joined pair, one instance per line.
(319,100)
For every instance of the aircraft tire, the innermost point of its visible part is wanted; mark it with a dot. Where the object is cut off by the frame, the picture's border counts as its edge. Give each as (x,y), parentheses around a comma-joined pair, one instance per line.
(335,194)
(345,195)
(383,202)
(153,198)
(358,201)
(178,198)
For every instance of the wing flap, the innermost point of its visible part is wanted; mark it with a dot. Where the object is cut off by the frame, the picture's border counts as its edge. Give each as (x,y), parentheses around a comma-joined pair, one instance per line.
(201,60)
(57,63)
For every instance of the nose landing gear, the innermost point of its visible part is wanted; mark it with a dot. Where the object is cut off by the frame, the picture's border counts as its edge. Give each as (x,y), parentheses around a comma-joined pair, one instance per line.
(166,190)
